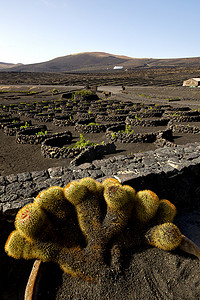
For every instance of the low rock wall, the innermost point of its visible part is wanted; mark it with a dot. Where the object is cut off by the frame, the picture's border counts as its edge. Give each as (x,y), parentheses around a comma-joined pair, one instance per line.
(50,150)
(172,172)
(186,118)
(89,128)
(92,153)
(147,122)
(44,117)
(29,136)
(63,121)
(12,129)
(186,129)
(115,134)
(149,114)
(5,121)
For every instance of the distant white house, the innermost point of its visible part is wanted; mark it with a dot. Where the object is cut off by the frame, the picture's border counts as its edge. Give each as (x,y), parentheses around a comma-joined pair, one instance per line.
(118,67)
(192,82)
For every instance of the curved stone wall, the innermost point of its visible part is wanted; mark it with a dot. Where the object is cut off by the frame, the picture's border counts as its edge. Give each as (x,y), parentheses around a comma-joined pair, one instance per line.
(115,134)
(12,129)
(147,122)
(29,136)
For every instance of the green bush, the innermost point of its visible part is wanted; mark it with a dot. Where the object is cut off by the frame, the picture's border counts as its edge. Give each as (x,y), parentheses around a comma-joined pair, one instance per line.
(41,132)
(127,130)
(82,143)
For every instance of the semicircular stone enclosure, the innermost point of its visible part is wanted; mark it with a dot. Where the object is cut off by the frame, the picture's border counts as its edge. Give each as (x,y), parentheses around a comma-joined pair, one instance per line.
(60,146)
(32,135)
(131,134)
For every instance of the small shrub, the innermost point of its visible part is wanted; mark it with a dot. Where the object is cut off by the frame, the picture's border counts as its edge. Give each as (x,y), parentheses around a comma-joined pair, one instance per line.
(92,124)
(41,132)
(113,135)
(82,143)
(127,130)
(24,126)
(137,118)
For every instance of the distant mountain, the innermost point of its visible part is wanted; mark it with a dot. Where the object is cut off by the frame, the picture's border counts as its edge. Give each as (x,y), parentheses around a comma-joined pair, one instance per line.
(99,61)
(4,65)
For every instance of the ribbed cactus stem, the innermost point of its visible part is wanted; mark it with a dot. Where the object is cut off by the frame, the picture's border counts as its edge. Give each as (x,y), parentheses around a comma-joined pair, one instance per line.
(53,201)
(75,192)
(146,205)
(87,209)
(32,223)
(119,208)
(166,236)
(166,212)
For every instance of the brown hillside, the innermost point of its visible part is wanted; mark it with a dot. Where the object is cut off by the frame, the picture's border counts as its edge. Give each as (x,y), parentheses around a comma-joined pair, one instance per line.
(7,65)
(101,61)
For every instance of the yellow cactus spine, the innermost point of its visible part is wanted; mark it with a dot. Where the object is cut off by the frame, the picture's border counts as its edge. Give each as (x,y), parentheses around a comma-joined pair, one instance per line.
(110,181)
(131,193)
(84,196)
(115,196)
(53,201)
(166,212)
(166,236)
(32,223)
(90,183)
(120,201)
(75,192)
(146,205)
(18,247)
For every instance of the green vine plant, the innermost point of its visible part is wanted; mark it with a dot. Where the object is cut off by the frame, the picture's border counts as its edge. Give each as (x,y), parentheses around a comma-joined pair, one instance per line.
(92,124)
(41,132)
(84,93)
(82,143)
(137,118)
(25,125)
(87,225)
(127,130)
(113,135)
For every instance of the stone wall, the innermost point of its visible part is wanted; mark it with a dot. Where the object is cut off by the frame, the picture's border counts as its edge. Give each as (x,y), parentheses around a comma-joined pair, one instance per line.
(173,173)
(30,136)
(116,133)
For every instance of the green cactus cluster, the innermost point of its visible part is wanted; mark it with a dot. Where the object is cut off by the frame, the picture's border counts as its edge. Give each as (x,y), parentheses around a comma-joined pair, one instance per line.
(76,226)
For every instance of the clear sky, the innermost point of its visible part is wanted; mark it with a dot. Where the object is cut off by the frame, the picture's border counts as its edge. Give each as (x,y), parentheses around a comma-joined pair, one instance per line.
(34,31)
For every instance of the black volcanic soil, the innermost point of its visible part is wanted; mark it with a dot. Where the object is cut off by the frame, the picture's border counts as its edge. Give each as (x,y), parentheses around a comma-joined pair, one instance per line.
(16,158)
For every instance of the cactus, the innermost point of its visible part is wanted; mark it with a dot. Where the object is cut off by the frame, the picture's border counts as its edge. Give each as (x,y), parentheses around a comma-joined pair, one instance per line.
(166,236)
(32,223)
(115,196)
(146,205)
(109,181)
(53,201)
(75,193)
(18,247)
(79,225)
(90,184)
(131,192)
(120,202)
(165,213)
(83,195)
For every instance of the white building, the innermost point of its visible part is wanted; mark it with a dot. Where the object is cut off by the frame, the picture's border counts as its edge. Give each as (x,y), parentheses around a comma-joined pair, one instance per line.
(118,67)
(192,82)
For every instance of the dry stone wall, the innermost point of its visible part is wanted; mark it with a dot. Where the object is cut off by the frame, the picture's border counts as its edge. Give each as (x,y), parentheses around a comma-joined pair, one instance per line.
(172,172)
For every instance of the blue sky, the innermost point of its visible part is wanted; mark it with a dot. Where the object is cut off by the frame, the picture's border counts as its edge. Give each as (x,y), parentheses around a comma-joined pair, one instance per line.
(34,31)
